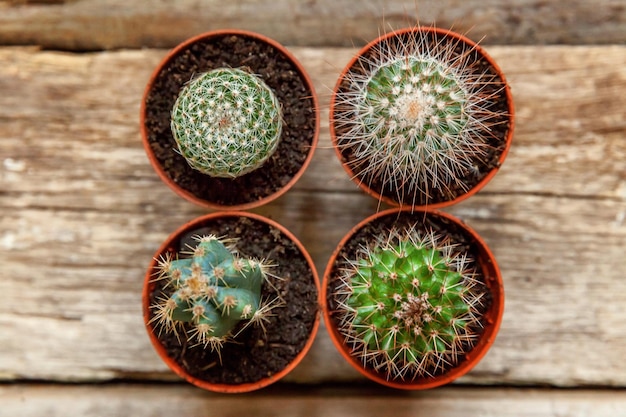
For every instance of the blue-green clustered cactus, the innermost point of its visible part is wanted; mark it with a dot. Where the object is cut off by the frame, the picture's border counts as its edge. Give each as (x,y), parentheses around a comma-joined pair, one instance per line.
(416,116)
(226,122)
(211,291)
(410,305)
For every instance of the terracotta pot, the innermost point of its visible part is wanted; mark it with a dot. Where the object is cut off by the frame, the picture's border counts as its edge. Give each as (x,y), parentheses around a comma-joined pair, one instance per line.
(280,71)
(377,224)
(403,194)
(297,285)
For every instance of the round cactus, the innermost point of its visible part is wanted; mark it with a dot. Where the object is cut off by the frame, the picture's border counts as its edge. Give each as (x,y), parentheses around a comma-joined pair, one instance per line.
(415,114)
(410,304)
(226,122)
(211,291)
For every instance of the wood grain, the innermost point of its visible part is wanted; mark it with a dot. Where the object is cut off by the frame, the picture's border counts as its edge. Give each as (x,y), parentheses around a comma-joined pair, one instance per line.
(83,212)
(169,400)
(114,24)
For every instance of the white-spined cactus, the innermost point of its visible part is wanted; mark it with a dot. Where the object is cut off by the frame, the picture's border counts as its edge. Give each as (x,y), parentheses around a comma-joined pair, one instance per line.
(226,122)
(416,114)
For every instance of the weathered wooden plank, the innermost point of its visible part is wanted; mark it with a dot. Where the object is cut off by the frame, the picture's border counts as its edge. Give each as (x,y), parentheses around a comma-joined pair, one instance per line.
(569,105)
(82,212)
(168,400)
(108,24)
(72,296)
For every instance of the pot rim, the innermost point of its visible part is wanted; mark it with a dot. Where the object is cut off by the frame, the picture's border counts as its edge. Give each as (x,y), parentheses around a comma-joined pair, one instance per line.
(144,131)
(493,317)
(459,38)
(161,351)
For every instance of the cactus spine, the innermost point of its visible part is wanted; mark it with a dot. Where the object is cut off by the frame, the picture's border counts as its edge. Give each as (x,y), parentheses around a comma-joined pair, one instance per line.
(410,304)
(211,292)
(226,122)
(416,113)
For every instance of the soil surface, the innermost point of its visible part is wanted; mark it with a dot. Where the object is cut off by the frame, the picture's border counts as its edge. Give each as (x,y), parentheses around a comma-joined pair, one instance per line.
(278,72)
(255,353)
(405,194)
(421,223)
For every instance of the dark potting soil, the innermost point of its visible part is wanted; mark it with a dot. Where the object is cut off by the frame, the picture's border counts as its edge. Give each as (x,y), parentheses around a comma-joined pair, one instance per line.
(405,194)
(255,353)
(421,223)
(279,73)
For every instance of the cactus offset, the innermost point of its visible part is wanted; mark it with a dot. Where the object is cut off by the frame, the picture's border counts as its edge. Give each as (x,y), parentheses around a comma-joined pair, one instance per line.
(416,114)
(226,122)
(211,292)
(410,305)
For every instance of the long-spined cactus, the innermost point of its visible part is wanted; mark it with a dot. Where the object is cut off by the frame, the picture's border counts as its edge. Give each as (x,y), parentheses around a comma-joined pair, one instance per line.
(415,116)
(410,305)
(226,122)
(211,292)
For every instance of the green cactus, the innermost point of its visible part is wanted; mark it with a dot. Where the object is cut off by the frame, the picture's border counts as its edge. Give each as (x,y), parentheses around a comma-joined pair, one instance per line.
(410,305)
(226,122)
(416,116)
(211,292)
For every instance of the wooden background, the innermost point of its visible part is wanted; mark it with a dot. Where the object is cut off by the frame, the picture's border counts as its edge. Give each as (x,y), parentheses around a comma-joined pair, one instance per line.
(82,211)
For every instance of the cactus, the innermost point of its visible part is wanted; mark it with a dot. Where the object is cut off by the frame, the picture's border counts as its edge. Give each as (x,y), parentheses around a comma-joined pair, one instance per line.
(416,113)
(226,122)
(410,304)
(211,292)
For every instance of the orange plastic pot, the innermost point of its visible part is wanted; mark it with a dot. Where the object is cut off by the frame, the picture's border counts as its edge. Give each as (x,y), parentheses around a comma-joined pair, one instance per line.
(485,261)
(441,35)
(172,245)
(172,64)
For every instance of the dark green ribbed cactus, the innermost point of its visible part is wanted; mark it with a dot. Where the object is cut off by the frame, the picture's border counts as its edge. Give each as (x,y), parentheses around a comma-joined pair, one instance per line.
(410,304)
(212,291)
(226,122)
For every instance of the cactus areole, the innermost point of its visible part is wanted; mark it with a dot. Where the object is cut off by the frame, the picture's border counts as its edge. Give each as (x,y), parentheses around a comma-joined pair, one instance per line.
(412,301)
(421,117)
